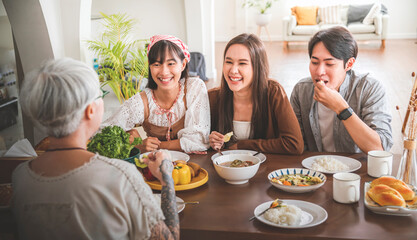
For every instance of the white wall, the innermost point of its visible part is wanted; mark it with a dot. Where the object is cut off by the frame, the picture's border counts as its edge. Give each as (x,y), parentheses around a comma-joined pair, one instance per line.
(232,19)
(154,17)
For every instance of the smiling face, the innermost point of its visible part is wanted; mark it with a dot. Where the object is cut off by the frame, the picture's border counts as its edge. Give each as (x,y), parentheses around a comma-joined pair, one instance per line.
(324,67)
(167,72)
(237,68)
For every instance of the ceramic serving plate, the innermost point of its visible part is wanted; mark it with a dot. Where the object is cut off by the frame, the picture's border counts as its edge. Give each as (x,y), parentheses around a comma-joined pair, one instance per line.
(180,202)
(197,181)
(353,164)
(387,210)
(312,214)
(261,156)
(296,189)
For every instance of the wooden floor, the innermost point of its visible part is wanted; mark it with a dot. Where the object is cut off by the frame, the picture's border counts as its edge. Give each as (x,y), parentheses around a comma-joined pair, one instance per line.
(392,66)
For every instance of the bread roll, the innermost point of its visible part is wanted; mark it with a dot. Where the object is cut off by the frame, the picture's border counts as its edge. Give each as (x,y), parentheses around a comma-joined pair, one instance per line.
(398,185)
(386,196)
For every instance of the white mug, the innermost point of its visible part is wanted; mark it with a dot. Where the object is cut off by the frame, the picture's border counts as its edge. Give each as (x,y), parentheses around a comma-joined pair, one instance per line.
(346,187)
(379,163)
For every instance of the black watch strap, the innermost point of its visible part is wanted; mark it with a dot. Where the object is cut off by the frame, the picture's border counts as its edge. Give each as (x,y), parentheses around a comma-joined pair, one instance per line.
(345,114)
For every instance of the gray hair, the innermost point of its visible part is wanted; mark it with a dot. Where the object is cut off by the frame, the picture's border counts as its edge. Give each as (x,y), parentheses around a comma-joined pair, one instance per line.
(56,94)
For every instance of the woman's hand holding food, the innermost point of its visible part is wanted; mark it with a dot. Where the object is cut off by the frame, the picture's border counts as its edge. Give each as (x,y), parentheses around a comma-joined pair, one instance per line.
(160,165)
(216,140)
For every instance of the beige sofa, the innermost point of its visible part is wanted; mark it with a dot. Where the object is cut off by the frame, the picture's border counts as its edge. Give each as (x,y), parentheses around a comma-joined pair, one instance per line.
(376,31)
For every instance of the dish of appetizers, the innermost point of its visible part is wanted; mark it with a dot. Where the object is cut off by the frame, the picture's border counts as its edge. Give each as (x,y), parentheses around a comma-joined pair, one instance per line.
(296,180)
(390,196)
(186,175)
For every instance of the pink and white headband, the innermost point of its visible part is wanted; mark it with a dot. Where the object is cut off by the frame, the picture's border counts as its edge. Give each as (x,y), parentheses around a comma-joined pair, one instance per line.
(172,39)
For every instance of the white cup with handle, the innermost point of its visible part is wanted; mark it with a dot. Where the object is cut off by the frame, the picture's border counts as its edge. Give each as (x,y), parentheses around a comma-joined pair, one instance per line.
(346,187)
(379,163)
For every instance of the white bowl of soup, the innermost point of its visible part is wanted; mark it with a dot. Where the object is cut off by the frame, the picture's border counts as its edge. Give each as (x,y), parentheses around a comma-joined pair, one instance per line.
(236,168)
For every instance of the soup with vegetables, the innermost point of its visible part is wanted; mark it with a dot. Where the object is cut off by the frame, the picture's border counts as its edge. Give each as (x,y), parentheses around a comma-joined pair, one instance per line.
(237,163)
(296,180)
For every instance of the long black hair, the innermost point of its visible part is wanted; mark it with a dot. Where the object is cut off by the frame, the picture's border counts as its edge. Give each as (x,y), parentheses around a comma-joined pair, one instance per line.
(259,88)
(157,54)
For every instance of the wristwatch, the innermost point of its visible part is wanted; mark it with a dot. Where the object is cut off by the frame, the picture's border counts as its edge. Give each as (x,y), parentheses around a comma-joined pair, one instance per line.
(345,114)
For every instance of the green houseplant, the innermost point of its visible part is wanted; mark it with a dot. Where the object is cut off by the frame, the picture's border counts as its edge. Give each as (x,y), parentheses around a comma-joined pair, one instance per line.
(261,5)
(123,61)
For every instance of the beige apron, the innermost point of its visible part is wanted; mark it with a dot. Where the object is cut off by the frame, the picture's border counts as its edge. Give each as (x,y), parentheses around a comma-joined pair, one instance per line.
(162,132)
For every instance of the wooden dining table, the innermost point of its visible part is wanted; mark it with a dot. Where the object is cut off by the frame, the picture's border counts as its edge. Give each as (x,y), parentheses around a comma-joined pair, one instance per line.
(224,209)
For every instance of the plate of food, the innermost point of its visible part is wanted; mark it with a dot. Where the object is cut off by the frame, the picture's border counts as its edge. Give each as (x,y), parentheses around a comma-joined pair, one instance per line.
(331,164)
(291,214)
(5,195)
(176,155)
(390,196)
(199,176)
(180,202)
(296,180)
(261,156)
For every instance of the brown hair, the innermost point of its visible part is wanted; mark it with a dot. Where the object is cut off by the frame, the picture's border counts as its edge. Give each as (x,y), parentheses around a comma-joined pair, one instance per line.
(259,87)
(157,54)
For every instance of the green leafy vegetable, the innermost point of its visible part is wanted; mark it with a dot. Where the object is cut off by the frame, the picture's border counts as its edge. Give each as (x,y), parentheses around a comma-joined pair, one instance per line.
(112,142)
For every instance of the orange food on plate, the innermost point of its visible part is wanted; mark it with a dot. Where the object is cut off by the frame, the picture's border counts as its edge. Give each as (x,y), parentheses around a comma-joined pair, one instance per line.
(386,196)
(406,192)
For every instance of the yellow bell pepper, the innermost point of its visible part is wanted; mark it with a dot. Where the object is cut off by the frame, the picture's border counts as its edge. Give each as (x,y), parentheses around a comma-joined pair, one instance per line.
(181,174)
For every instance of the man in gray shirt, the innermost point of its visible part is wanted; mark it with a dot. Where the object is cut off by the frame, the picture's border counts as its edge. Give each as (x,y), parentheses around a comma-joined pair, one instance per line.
(339,110)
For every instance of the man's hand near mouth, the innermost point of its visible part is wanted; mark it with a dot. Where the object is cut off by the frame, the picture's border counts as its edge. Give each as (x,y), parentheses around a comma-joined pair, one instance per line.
(329,97)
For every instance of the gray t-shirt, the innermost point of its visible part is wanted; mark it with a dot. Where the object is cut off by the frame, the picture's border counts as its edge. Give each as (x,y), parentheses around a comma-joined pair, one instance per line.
(365,95)
(103,199)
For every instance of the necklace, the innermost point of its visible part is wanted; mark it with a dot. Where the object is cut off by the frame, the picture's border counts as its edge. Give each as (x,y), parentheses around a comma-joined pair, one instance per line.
(64,149)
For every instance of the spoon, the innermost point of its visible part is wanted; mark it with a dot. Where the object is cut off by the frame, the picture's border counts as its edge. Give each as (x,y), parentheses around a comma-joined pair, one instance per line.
(274,204)
(189,202)
(256,153)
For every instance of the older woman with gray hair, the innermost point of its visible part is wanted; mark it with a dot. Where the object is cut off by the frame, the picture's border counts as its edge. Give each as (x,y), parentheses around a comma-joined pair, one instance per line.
(70,193)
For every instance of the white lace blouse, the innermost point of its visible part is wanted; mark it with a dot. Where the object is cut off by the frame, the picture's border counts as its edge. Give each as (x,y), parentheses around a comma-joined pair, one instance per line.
(194,135)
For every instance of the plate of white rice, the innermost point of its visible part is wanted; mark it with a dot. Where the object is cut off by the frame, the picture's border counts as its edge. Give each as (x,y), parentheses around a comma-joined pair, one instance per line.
(292,214)
(331,164)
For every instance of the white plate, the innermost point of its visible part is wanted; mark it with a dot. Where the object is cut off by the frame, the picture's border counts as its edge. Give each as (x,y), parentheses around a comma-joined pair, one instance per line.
(296,189)
(180,202)
(174,154)
(261,156)
(312,214)
(353,164)
(387,210)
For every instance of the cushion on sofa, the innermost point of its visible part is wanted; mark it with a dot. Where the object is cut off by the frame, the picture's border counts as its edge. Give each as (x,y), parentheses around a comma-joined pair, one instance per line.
(325,26)
(357,13)
(361,28)
(330,14)
(375,10)
(305,30)
(305,15)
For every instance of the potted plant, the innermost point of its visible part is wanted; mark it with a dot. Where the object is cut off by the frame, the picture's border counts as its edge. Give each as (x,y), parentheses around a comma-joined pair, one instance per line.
(263,17)
(123,61)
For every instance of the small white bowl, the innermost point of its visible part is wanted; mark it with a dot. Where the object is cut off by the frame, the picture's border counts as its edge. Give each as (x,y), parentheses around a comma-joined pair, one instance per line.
(296,189)
(236,175)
